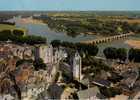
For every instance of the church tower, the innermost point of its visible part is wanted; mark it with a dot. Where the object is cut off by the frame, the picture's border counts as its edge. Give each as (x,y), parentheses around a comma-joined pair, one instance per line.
(77,64)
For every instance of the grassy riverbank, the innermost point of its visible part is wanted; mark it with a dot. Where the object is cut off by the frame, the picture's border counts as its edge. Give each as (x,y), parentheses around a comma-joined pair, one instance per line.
(10,27)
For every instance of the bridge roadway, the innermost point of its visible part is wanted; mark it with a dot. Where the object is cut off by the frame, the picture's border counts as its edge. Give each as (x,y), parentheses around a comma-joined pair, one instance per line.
(107,39)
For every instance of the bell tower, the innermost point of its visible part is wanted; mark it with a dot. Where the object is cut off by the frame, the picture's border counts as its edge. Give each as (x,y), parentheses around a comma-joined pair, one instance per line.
(77,66)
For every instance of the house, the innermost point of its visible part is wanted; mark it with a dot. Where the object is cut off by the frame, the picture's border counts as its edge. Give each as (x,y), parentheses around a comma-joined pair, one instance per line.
(8,65)
(22,52)
(4,51)
(130,77)
(55,91)
(11,64)
(6,85)
(129,84)
(89,94)
(23,72)
(32,91)
(36,84)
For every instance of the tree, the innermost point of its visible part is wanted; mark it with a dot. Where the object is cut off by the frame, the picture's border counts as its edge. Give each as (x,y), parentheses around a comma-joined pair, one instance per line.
(56,43)
(122,54)
(21,61)
(131,54)
(93,50)
(88,49)
(6,35)
(110,92)
(119,30)
(134,55)
(110,53)
(39,64)
(71,31)
(18,32)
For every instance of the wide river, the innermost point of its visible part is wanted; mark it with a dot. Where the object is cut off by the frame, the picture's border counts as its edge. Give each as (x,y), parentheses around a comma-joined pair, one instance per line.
(39,28)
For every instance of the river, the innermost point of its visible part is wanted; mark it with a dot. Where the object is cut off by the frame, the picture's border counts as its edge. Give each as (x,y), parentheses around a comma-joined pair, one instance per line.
(39,28)
(44,30)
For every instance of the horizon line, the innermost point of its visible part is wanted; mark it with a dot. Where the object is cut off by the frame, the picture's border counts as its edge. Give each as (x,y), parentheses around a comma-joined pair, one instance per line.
(64,10)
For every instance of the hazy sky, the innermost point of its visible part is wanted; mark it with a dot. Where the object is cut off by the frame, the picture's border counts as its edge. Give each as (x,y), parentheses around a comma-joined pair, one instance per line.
(69,4)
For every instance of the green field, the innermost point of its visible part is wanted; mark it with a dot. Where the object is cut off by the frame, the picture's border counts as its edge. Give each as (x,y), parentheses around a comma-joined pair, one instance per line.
(10,27)
(6,27)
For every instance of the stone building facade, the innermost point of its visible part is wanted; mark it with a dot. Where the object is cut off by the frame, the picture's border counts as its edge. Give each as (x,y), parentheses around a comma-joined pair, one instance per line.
(44,52)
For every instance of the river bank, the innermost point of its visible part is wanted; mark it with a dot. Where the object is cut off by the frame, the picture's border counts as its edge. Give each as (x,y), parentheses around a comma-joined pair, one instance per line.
(30,21)
(133,43)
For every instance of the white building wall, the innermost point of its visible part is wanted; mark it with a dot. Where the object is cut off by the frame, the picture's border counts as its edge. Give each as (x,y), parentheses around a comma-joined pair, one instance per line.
(56,56)
(77,66)
(59,54)
(46,53)
(49,55)
(42,52)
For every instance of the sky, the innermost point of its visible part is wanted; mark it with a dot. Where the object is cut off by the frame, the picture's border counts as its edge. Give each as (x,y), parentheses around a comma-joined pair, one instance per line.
(60,5)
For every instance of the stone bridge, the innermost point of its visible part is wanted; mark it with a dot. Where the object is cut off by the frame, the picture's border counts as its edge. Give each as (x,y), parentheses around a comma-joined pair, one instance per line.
(107,39)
